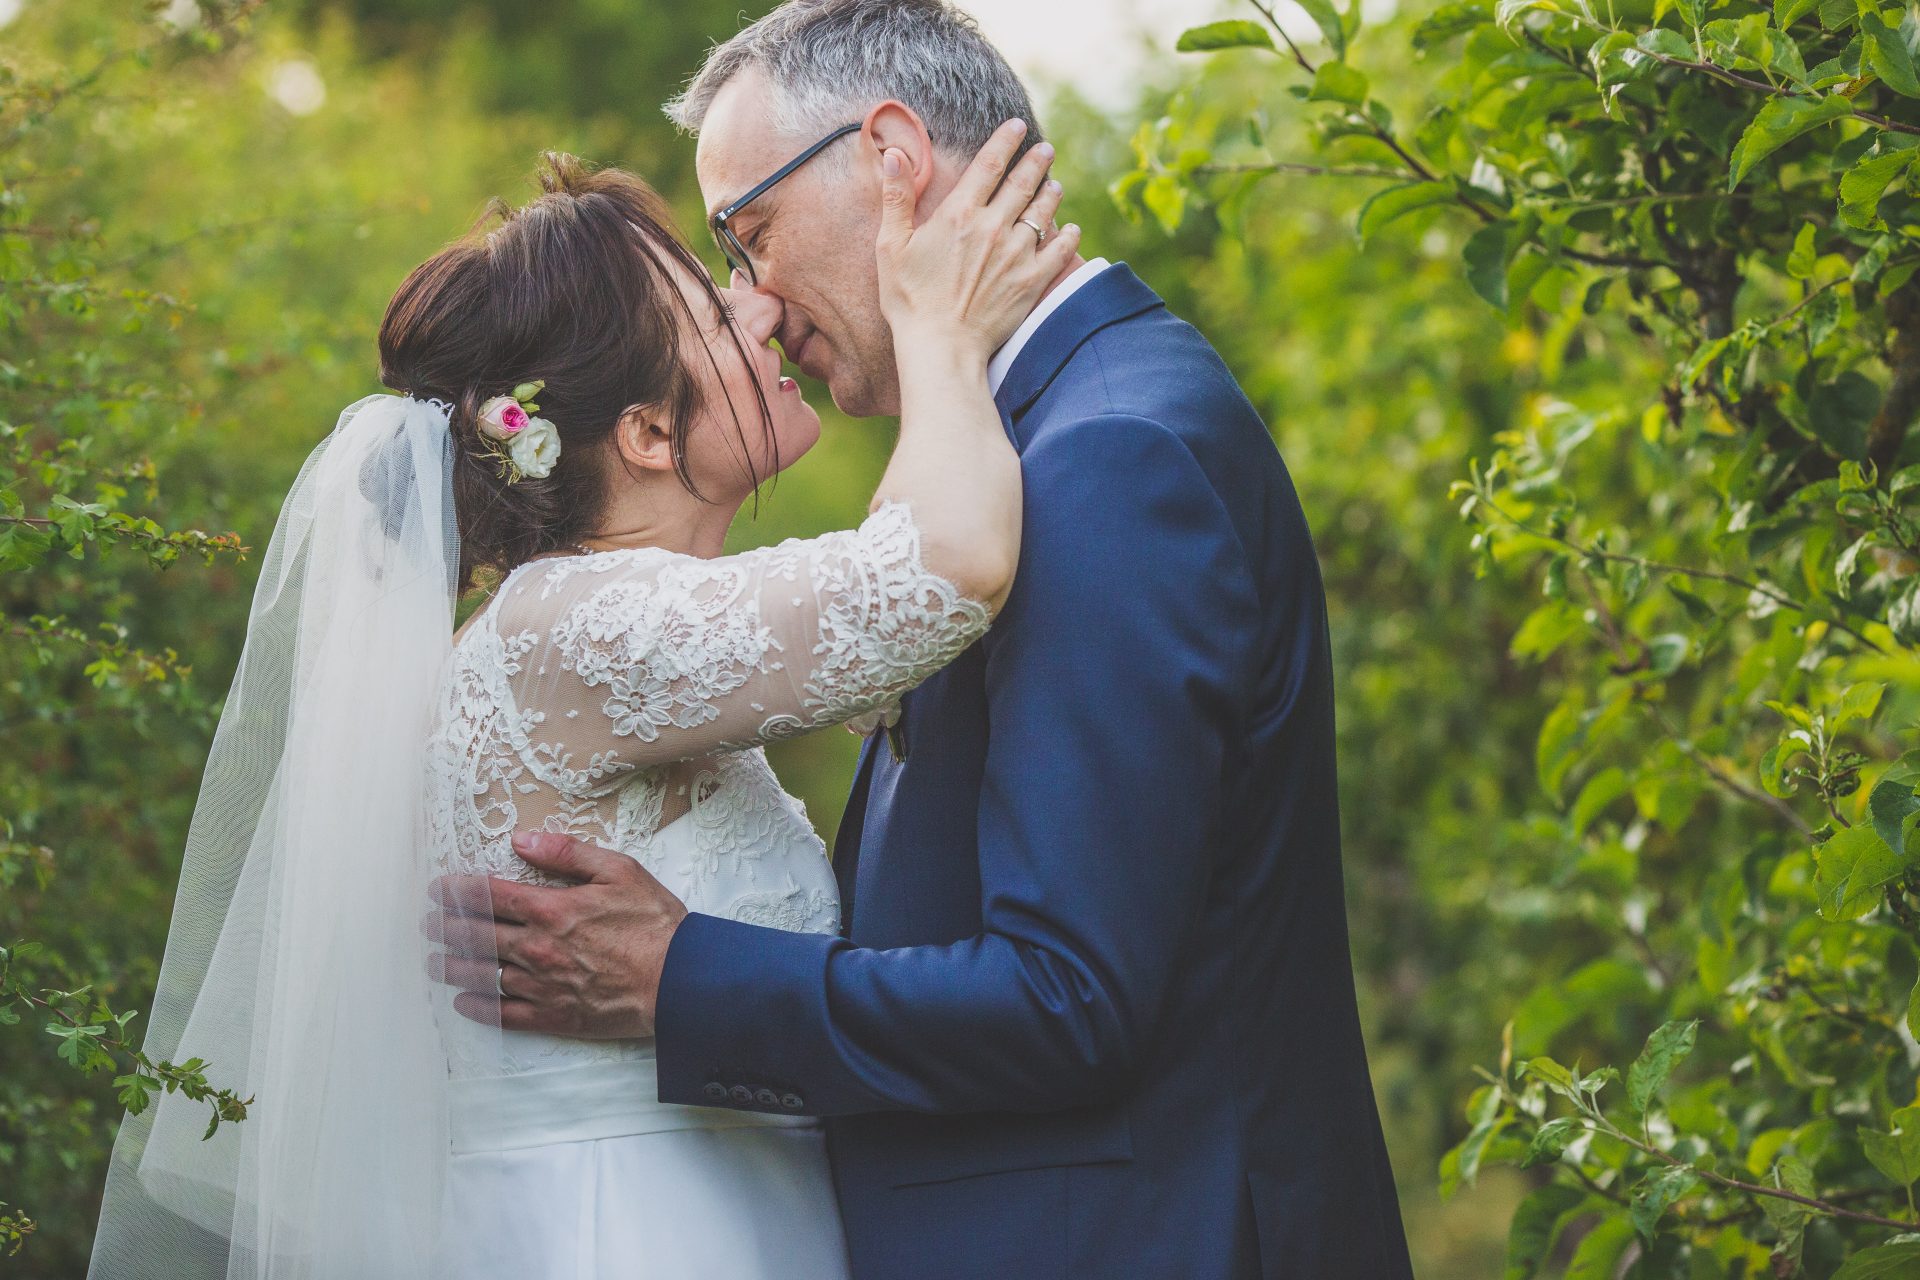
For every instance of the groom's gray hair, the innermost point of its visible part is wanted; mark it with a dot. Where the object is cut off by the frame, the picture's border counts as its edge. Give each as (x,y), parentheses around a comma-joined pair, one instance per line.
(829,61)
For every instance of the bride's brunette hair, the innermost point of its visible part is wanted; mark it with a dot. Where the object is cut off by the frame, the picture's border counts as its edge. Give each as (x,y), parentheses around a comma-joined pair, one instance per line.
(574,289)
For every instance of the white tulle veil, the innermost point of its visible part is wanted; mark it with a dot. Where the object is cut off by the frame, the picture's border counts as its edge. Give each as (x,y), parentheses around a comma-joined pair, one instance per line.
(296,965)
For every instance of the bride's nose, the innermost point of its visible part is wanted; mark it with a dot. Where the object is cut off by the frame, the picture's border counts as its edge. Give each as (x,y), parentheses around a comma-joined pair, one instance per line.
(757,314)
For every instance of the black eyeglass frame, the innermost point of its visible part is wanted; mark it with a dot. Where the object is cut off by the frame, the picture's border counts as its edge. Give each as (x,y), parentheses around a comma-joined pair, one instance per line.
(730,247)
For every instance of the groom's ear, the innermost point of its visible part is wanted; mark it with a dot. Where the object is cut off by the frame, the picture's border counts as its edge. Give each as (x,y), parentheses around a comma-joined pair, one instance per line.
(893,125)
(643,439)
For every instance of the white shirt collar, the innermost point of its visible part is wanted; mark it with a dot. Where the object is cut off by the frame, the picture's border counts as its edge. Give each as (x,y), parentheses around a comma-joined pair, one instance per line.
(1010,350)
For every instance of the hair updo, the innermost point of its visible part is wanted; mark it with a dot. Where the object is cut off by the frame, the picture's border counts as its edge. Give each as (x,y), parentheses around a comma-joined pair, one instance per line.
(573,288)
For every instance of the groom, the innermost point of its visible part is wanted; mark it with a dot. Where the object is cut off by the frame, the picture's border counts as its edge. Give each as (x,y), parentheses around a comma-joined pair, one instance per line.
(1093,1013)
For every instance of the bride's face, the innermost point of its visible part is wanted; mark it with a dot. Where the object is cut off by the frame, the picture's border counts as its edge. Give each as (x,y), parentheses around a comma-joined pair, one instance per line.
(727,431)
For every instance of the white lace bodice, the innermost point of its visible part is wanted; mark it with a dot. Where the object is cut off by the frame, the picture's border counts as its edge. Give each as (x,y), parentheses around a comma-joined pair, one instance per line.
(622,697)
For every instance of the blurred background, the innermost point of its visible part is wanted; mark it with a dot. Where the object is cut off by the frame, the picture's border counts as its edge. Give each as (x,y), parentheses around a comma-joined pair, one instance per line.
(269,196)
(203,212)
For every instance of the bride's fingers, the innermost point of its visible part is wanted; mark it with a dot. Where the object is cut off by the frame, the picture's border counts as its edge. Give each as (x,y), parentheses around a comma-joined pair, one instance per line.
(1058,251)
(977,184)
(1045,205)
(1022,182)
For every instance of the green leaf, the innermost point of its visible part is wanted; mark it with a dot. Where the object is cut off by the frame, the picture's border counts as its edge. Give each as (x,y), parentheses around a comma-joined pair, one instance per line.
(1779,122)
(1448,21)
(1487,255)
(1859,702)
(1665,1049)
(1800,261)
(1666,797)
(1547,628)
(1490,1118)
(1657,1193)
(1863,186)
(1328,20)
(1599,1253)
(1823,316)
(1789,1217)
(1843,564)
(1338,82)
(1509,12)
(1839,412)
(1236,33)
(1536,1226)
(1890,56)
(135,1091)
(1837,15)
(1665,41)
(1744,42)
(1900,1261)
(1386,206)
(1550,1140)
(1556,1076)
(1903,614)
(1787,12)
(1849,871)
(1558,747)
(1666,653)
(1896,1154)
(1896,814)
(1601,790)
(1166,198)
(1869,265)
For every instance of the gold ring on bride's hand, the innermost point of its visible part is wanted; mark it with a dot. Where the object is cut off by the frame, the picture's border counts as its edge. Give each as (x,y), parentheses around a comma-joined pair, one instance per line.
(1039,232)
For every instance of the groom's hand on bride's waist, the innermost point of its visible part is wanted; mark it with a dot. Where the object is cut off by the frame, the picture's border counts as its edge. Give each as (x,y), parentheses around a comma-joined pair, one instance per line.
(573,960)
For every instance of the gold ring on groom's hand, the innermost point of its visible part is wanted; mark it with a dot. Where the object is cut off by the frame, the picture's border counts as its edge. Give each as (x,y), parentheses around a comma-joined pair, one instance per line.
(1039,232)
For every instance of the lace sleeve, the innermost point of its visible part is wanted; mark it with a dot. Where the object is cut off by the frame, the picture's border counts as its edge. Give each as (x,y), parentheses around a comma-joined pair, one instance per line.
(624,659)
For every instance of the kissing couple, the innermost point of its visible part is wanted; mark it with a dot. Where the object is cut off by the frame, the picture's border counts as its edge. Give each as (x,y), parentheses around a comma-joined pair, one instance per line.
(1071,998)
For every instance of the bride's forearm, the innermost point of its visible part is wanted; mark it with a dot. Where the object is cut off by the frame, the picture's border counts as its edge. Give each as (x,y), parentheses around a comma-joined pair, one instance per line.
(956,468)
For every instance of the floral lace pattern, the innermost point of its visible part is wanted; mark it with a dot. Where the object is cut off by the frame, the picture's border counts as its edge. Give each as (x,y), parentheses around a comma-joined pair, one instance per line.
(597,695)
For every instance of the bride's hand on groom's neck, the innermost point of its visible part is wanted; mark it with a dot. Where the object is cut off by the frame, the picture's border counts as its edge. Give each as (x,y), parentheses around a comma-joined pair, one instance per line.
(579,960)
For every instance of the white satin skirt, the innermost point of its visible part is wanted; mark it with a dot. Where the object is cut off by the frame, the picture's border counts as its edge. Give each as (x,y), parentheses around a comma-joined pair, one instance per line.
(580,1173)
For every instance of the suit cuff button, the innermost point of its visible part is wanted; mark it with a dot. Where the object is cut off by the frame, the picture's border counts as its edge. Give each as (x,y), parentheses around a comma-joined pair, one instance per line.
(716,1091)
(742,1094)
(792,1101)
(767,1098)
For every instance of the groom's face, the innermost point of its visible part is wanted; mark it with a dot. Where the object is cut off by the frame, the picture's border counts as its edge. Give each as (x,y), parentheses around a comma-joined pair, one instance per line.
(811,241)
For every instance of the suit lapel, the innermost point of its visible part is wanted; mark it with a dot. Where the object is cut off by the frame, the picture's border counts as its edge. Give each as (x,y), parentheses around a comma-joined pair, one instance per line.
(846,841)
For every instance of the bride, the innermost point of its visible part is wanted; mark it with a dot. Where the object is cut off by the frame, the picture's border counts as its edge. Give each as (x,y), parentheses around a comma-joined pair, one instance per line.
(581,414)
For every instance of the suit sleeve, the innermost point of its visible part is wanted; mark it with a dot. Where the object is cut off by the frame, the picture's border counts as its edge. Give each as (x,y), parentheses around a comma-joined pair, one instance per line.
(1114,681)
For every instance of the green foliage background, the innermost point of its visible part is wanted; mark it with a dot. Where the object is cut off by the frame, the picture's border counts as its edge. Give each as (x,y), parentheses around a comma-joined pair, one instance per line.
(1673,415)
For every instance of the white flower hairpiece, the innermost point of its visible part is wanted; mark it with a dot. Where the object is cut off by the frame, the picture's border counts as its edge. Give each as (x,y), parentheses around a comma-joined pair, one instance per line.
(523,445)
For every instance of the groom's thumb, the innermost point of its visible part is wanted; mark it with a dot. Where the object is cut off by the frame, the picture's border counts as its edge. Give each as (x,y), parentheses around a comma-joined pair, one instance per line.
(896,198)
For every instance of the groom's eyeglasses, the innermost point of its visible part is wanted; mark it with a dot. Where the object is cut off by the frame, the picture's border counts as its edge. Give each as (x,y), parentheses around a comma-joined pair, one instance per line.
(730,246)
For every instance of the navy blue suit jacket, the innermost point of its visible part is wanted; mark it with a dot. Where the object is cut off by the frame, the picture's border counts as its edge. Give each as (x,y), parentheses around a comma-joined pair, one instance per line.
(1093,1012)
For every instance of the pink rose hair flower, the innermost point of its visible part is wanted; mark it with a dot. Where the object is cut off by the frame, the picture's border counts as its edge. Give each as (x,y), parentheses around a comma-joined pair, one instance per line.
(532,444)
(502,418)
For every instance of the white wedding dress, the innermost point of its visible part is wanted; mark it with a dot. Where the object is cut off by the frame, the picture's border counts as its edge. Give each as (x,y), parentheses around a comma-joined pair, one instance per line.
(622,697)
